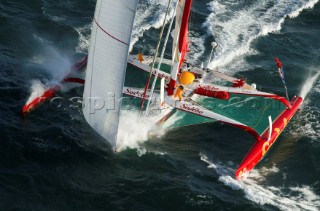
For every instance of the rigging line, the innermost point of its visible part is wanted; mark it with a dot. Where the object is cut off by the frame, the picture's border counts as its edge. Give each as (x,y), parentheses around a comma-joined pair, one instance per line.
(92,65)
(193,102)
(250,98)
(264,111)
(198,104)
(160,62)
(154,58)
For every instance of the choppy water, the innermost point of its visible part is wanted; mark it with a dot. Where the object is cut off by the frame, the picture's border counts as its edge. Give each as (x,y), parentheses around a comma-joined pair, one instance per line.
(52,160)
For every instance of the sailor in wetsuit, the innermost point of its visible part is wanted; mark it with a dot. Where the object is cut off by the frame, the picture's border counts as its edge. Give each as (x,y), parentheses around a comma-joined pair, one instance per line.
(179,92)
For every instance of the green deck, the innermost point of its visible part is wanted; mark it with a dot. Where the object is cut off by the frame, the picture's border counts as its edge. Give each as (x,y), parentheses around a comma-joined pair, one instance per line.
(164,67)
(181,119)
(249,110)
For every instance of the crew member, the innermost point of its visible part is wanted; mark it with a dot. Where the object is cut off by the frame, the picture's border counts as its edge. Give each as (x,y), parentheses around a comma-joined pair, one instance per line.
(179,92)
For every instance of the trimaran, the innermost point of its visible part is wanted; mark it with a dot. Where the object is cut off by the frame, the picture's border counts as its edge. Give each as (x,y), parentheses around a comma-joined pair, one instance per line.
(201,87)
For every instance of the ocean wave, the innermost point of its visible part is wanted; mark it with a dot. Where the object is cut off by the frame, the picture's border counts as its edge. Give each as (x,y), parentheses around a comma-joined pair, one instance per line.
(150,14)
(84,38)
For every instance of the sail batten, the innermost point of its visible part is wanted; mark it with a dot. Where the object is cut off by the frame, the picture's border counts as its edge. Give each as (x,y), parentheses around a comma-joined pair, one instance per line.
(107,61)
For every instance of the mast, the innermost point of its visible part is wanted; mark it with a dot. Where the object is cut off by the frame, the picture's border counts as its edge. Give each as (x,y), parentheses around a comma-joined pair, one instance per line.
(107,61)
(180,43)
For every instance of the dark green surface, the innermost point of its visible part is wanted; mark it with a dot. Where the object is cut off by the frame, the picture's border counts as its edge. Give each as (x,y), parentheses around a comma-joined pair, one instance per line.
(249,110)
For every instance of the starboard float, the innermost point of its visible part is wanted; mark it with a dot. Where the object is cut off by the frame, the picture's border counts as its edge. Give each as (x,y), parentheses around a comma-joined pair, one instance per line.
(202,92)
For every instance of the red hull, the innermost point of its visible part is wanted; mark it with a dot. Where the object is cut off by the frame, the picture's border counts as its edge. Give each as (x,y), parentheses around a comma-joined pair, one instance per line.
(262,145)
(37,101)
(48,94)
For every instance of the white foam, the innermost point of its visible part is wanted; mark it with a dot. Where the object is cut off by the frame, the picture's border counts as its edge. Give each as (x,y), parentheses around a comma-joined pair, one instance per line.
(236,27)
(150,14)
(317,88)
(141,151)
(37,89)
(308,124)
(307,5)
(196,48)
(299,198)
(234,35)
(132,131)
(84,38)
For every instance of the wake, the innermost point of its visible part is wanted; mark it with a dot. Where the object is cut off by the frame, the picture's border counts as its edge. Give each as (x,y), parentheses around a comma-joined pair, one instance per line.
(150,14)
(300,197)
(308,122)
(236,26)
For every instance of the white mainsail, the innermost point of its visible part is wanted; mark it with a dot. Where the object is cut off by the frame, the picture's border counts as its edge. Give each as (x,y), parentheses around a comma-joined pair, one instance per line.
(107,61)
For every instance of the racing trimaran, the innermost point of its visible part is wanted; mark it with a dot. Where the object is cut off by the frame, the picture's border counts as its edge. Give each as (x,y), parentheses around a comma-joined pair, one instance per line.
(106,67)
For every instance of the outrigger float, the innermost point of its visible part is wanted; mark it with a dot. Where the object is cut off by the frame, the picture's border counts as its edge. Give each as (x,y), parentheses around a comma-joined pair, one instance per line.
(208,94)
(49,91)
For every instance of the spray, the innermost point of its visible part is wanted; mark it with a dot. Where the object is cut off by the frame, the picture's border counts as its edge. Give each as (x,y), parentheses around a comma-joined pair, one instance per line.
(308,85)
(132,133)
